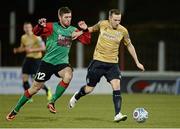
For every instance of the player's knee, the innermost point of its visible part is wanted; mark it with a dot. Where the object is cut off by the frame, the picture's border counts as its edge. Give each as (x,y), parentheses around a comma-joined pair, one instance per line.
(36,87)
(67,78)
(25,78)
(115,83)
(116,87)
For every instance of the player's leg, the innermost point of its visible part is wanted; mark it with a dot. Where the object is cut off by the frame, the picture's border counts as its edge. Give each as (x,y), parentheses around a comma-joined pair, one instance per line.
(48,92)
(117,100)
(84,90)
(66,74)
(34,68)
(26,85)
(43,74)
(113,76)
(26,71)
(25,81)
(93,77)
(36,86)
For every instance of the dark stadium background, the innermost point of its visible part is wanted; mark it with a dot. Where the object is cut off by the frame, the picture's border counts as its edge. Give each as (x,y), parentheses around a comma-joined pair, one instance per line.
(148,22)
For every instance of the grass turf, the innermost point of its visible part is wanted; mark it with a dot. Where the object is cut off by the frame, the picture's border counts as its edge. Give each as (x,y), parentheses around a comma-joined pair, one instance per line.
(92,111)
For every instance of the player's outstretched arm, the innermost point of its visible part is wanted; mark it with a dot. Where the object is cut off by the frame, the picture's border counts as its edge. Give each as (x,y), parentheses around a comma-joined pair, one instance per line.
(132,52)
(19,50)
(83,35)
(43,28)
(83,26)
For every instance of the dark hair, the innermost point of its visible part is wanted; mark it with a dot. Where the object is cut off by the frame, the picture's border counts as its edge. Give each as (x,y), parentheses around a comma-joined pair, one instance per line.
(63,10)
(114,11)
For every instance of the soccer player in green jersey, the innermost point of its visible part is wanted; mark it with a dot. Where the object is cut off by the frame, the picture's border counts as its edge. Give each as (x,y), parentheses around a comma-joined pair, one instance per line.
(59,37)
(33,46)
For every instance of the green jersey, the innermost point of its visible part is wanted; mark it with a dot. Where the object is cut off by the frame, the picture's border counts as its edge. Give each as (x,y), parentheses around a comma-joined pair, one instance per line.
(58,44)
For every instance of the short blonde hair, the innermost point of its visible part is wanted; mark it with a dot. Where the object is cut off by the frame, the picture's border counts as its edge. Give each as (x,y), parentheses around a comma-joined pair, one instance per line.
(114,11)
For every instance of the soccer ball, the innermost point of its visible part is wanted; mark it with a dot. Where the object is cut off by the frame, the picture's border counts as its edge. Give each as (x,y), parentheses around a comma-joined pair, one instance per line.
(140,115)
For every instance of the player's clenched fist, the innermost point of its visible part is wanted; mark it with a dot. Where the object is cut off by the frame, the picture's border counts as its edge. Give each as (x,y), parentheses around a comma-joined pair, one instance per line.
(42,22)
(82,25)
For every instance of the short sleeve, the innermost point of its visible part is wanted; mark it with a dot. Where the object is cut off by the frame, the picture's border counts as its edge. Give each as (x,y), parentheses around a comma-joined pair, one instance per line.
(96,27)
(126,38)
(22,44)
(40,41)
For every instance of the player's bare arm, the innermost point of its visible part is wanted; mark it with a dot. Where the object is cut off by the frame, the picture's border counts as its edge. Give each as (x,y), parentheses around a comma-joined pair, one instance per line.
(19,49)
(132,52)
(95,27)
(32,50)
(91,29)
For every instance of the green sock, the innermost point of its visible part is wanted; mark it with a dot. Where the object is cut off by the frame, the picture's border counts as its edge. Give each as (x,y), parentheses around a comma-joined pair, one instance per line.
(59,91)
(21,102)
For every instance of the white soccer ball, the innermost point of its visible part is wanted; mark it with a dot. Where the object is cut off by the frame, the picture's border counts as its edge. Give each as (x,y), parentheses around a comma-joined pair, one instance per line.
(140,115)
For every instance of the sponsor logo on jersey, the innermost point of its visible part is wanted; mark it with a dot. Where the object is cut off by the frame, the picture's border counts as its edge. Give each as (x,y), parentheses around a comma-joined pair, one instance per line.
(64,41)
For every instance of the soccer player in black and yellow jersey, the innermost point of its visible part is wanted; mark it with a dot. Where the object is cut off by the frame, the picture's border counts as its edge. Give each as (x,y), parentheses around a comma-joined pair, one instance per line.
(33,46)
(105,60)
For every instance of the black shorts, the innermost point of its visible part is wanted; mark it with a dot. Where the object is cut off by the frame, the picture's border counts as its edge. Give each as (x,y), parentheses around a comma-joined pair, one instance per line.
(46,70)
(97,69)
(30,66)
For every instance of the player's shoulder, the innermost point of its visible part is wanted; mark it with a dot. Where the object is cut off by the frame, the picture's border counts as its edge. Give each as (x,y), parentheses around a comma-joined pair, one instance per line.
(50,23)
(53,23)
(122,28)
(72,28)
(37,37)
(103,22)
(24,36)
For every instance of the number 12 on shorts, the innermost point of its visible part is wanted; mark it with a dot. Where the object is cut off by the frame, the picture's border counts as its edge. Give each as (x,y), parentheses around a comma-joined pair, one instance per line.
(40,76)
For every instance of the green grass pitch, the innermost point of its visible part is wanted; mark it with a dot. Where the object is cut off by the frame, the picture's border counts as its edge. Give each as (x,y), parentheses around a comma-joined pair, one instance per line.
(93,111)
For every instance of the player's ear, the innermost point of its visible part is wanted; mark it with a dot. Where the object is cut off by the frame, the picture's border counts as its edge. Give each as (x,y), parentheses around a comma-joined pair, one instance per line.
(59,17)
(110,17)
